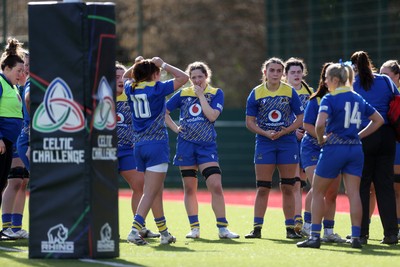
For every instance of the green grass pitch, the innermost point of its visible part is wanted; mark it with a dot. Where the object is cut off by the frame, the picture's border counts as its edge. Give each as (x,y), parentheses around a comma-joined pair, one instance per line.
(272,250)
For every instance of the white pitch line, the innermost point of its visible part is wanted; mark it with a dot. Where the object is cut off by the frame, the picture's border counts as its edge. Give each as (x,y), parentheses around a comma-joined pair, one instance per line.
(12,249)
(109,263)
(116,264)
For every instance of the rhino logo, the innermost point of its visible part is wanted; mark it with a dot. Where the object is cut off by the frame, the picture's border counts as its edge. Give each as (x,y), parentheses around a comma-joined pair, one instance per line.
(57,234)
(56,243)
(105,244)
(105,232)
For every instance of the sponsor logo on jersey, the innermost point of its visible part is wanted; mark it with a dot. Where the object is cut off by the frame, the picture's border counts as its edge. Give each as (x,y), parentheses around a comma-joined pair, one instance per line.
(120,118)
(195,109)
(274,115)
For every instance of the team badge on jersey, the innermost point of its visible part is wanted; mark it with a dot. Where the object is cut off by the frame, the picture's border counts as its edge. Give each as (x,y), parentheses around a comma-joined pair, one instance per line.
(195,110)
(274,115)
(284,101)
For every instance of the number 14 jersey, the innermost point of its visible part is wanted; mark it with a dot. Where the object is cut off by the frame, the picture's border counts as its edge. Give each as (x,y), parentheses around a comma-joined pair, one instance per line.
(345,109)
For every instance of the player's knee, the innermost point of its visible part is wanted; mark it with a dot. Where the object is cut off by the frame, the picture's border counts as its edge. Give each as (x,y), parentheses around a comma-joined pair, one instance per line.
(189,173)
(288,181)
(207,172)
(396,178)
(264,184)
(302,183)
(18,172)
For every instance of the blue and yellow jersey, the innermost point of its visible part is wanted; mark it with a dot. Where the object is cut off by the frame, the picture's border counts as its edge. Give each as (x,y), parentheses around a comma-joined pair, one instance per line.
(304,95)
(196,127)
(147,102)
(125,130)
(274,109)
(26,90)
(345,110)
(310,117)
(25,124)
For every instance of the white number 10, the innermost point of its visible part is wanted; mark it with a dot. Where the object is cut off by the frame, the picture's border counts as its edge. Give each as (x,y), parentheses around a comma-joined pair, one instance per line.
(141,106)
(352,116)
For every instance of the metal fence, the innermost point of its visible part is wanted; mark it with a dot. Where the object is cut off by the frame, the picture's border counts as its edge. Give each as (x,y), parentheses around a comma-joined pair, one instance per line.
(322,31)
(14,20)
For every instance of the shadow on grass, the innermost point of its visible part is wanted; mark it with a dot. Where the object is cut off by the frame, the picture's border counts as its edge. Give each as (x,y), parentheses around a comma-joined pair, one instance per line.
(216,241)
(77,262)
(13,245)
(369,249)
(114,262)
(202,240)
(154,243)
(285,241)
(172,248)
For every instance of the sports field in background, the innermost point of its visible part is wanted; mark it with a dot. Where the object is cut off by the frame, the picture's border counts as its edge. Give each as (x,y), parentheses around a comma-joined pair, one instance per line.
(272,250)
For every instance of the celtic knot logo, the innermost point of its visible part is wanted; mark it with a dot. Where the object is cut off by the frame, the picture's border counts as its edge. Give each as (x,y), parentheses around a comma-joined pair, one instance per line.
(104,115)
(58,111)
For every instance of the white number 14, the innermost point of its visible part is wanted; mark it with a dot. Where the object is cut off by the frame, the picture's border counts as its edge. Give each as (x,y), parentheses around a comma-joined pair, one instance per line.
(352,116)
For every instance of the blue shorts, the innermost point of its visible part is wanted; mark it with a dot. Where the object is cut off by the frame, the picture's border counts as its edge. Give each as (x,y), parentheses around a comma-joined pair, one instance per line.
(22,147)
(15,151)
(397,157)
(277,152)
(309,153)
(335,159)
(126,160)
(300,159)
(149,155)
(189,153)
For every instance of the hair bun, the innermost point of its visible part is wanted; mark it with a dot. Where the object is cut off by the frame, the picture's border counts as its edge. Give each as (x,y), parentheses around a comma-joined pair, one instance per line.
(13,46)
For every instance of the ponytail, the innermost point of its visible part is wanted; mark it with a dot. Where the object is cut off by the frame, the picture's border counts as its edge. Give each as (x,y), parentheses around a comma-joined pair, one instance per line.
(363,64)
(306,86)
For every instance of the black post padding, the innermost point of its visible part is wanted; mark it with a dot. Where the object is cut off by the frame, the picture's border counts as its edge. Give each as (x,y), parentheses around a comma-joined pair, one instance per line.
(74,183)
